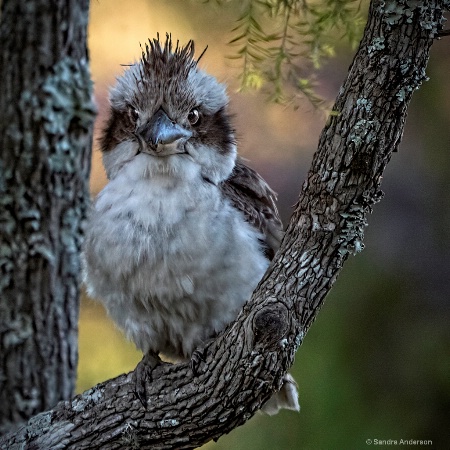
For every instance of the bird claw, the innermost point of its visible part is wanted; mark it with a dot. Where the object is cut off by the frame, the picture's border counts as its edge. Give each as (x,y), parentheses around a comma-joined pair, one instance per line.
(143,373)
(198,356)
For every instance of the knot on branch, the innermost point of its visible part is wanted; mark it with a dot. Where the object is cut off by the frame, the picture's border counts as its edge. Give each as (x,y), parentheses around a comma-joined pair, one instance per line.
(270,326)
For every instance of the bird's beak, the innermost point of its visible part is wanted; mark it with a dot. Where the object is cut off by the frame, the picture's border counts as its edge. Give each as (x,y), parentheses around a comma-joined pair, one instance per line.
(161,136)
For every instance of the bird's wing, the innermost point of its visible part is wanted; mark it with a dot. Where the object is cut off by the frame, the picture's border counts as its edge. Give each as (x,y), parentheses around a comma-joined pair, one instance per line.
(251,195)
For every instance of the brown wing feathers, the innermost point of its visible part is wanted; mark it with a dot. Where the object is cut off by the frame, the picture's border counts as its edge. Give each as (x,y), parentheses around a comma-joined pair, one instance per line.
(251,195)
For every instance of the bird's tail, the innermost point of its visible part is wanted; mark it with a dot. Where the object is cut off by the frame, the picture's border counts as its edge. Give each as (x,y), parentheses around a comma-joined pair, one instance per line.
(285,398)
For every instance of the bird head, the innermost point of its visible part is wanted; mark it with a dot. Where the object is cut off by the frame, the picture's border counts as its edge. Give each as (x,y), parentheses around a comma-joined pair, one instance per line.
(166,113)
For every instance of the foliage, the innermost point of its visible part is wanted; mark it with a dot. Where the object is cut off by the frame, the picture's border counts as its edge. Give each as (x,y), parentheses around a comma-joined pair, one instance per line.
(280,41)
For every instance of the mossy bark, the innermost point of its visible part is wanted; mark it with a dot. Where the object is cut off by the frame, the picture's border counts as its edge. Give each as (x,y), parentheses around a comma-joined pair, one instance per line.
(46,117)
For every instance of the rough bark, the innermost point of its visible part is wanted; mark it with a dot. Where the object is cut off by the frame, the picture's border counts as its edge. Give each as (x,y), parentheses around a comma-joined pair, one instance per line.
(245,364)
(46,117)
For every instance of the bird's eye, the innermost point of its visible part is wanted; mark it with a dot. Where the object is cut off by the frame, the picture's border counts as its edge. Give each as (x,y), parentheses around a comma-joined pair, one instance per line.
(193,116)
(134,114)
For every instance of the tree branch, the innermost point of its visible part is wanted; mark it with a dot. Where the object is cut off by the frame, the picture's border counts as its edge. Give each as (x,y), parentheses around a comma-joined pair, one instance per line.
(246,363)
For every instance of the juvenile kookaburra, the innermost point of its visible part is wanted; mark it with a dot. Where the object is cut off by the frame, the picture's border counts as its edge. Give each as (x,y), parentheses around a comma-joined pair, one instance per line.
(183,232)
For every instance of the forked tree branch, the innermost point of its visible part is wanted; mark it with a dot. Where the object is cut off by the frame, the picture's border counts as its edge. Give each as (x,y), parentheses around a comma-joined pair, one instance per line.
(246,363)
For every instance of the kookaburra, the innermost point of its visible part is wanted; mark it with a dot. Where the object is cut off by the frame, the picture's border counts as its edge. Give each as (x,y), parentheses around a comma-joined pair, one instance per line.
(183,231)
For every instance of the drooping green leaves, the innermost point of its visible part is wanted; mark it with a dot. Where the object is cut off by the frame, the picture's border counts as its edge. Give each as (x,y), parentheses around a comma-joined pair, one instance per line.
(281,42)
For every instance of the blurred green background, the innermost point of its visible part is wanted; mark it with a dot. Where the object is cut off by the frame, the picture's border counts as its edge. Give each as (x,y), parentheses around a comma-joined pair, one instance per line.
(376,364)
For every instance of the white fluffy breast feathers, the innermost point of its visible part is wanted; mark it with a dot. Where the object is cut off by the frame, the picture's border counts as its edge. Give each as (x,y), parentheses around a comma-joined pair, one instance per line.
(163,105)
(172,264)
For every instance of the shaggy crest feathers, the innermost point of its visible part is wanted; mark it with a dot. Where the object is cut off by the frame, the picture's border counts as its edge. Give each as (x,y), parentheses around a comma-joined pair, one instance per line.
(165,72)
(164,59)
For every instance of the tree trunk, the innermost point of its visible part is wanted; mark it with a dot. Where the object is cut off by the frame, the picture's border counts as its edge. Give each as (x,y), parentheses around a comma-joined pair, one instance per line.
(246,363)
(46,117)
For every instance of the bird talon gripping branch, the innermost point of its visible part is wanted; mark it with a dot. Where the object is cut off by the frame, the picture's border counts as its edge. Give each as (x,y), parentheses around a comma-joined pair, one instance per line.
(143,374)
(197,357)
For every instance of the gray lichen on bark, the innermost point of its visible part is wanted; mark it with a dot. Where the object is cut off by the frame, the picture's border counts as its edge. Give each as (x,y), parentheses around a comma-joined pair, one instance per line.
(46,116)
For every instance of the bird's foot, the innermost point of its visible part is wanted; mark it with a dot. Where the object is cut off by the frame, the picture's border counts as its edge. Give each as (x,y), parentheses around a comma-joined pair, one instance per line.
(143,373)
(199,355)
